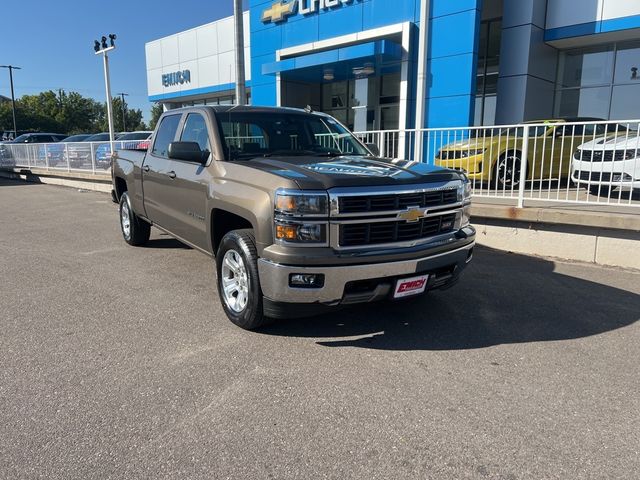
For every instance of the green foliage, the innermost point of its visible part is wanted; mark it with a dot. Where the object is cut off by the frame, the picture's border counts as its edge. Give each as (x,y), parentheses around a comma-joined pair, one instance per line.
(156,111)
(68,113)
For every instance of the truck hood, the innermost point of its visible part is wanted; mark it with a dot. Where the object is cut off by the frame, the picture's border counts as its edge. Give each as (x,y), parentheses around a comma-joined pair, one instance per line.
(322,173)
(620,143)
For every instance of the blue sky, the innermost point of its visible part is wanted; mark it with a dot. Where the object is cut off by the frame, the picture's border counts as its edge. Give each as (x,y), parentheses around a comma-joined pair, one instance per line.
(53,42)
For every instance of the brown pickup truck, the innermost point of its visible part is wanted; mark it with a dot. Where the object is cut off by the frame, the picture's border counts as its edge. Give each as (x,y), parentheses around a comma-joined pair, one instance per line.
(300,216)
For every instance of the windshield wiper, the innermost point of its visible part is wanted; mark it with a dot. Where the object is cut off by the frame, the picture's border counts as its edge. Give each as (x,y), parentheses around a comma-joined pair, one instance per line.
(289,153)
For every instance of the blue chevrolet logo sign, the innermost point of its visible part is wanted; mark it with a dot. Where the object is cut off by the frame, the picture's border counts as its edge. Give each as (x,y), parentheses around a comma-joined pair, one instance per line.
(281,10)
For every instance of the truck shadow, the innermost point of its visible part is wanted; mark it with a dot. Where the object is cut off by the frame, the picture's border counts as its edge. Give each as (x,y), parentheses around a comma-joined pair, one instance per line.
(501,299)
(11,182)
(164,240)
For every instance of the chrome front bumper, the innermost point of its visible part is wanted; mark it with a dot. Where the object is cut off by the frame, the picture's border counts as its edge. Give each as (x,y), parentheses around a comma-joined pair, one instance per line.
(274,278)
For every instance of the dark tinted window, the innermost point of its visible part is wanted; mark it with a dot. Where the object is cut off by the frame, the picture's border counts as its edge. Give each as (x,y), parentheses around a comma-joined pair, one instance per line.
(166,134)
(98,137)
(250,134)
(135,136)
(195,130)
(76,138)
(42,139)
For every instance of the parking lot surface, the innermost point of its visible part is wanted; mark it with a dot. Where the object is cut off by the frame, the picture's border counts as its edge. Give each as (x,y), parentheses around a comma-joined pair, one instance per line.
(118,362)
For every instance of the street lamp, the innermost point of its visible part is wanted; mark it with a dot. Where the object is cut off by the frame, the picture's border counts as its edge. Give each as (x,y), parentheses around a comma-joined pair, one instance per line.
(101,47)
(13,98)
(124,116)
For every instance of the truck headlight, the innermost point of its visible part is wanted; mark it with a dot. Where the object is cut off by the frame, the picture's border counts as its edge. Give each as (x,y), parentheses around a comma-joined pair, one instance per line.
(298,203)
(464,196)
(298,232)
(464,191)
(301,218)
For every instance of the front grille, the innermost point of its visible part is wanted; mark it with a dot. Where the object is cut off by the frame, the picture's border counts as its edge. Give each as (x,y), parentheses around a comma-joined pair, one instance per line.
(452,154)
(604,177)
(383,203)
(595,176)
(602,156)
(357,234)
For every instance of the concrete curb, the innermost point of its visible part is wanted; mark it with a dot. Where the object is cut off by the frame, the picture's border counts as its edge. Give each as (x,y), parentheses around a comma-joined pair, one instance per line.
(72,180)
(601,246)
(610,218)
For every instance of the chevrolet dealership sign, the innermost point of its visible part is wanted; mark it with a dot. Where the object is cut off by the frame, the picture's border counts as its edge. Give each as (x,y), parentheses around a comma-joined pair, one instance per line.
(176,78)
(281,10)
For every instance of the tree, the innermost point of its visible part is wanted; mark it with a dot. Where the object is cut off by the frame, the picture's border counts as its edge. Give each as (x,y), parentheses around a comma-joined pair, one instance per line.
(133,117)
(63,112)
(156,111)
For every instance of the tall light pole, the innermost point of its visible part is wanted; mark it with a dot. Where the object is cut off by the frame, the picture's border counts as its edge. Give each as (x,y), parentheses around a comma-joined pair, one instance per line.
(101,48)
(124,116)
(13,97)
(241,91)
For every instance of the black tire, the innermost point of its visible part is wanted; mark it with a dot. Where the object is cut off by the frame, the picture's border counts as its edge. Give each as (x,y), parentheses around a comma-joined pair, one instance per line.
(600,190)
(138,231)
(506,172)
(246,312)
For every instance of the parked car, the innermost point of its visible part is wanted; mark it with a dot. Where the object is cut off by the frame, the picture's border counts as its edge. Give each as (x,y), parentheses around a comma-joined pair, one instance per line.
(296,226)
(607,163)
(55,153)
(80,153)
(126,141)
(496,157)
(39,138)
(134,140)
(12,154)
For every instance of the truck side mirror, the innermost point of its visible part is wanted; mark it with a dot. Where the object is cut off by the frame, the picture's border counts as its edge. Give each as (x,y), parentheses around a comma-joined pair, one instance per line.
(188,151)
(373,148)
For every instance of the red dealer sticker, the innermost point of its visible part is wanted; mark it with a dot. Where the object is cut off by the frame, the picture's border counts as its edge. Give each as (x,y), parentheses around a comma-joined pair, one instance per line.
(410,286)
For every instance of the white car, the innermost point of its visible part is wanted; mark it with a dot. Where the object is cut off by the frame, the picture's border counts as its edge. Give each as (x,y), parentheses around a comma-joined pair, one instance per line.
(606,163)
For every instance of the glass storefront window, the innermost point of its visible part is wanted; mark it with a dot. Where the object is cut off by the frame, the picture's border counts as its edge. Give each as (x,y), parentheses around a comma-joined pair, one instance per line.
(586,67)
(625,102)
(584,102)
(487,74)
(627,63)
(602,82)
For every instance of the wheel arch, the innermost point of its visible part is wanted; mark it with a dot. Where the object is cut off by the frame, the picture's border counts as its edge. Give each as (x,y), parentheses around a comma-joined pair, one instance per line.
(224,219)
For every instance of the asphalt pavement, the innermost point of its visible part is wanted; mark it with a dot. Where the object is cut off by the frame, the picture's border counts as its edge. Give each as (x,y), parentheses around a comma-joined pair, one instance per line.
(118,362)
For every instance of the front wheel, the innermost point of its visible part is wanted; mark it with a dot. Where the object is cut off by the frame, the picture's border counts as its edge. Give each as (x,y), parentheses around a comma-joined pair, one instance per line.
(507,171)
(238,281)
(135,231)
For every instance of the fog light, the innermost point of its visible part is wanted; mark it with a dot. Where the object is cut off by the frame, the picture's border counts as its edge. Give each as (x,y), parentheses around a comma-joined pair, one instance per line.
(306,280)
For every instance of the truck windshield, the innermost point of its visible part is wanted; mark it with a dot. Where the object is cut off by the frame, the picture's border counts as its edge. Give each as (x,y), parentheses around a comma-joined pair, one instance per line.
(263,134)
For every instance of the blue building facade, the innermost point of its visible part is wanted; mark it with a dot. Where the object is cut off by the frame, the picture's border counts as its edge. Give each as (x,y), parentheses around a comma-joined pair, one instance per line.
(299,49)
(402,64)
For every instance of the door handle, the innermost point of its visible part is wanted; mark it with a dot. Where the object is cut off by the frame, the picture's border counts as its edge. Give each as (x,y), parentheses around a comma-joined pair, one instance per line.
(145,168)
(172,174)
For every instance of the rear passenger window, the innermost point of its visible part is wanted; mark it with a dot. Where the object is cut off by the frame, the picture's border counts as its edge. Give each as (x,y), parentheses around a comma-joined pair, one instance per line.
(195,130)
(165,135)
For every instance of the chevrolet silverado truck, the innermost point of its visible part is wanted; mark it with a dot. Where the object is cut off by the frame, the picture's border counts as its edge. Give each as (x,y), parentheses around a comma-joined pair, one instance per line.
(299,215)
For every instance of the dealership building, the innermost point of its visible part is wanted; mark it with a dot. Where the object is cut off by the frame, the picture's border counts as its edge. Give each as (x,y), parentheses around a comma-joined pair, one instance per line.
(396,64)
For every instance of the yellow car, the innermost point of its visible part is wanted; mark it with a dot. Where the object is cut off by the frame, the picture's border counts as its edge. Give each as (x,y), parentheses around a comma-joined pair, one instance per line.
(494,156)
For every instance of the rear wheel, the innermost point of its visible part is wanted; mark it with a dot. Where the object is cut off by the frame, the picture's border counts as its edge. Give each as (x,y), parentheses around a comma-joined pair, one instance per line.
(135,231)
(238,281)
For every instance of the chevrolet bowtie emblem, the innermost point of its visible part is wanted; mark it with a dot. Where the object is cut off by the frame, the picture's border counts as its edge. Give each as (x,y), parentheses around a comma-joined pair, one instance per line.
(412,214)
(278,12)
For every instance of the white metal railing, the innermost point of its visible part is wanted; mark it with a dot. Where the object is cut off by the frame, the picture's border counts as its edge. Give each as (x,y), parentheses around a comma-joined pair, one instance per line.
(558,162)
(552,162)
(94,157)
